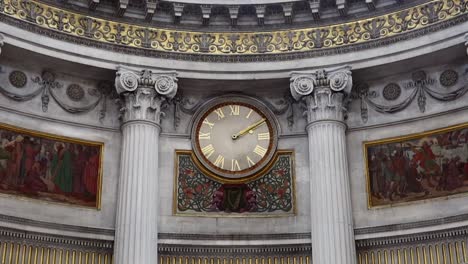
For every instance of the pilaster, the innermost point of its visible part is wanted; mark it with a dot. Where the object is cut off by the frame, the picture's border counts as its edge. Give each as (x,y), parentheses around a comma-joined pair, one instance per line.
(323,92)
(143,95)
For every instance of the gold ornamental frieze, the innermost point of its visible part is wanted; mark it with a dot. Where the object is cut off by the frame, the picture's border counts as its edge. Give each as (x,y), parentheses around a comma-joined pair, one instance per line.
(416,20)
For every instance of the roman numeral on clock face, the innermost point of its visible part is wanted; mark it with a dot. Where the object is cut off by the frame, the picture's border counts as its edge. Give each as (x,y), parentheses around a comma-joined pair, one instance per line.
(204,135)
(250,161)
(206,122)
(219,162)
(264,136)
(259,150)
(248,115)
(208,150)
(220,113)
(235,165)
(235,110)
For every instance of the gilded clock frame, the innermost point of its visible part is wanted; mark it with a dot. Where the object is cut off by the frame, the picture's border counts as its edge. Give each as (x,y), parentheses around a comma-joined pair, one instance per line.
(226,175)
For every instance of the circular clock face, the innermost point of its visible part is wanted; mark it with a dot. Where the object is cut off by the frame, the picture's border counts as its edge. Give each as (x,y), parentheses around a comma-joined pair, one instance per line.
(234,139)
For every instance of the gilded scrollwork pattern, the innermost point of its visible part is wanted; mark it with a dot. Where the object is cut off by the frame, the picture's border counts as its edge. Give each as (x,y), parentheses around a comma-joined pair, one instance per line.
(235,43)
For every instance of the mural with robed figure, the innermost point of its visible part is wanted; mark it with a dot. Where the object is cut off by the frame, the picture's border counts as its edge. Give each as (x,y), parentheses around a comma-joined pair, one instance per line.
(417,167)
(50,168)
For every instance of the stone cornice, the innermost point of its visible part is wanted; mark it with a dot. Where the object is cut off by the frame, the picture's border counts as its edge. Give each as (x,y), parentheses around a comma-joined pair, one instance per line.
(236,46)
(210,237)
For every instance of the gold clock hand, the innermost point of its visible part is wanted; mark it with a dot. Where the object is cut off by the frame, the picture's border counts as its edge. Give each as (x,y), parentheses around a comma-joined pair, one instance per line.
(249,128)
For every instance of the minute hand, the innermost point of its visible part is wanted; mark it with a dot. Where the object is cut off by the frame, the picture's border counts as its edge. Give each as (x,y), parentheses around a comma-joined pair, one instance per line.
(251,127)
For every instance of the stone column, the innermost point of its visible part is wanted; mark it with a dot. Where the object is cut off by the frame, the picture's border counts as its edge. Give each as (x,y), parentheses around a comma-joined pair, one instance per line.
(466,42)
(1,42)
(143,95)
(323,92)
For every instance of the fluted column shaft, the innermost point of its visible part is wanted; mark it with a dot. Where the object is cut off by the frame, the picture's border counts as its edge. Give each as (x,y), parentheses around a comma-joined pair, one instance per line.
(143,95)
(1,42)
(331,217)
(332,228)
(466,42)
(136,228)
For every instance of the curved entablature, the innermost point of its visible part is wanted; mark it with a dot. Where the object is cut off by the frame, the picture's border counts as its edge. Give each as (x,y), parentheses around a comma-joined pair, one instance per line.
(242,13)
(234,46)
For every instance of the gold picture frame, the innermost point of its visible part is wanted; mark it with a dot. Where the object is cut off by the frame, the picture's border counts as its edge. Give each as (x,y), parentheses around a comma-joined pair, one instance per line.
(427,157)
(43,136)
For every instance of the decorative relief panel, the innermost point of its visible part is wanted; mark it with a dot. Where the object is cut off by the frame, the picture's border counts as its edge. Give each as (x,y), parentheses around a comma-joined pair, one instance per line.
(74,98)
(50,168)
(398,96)
(232,43)
(417,167)
(196,194)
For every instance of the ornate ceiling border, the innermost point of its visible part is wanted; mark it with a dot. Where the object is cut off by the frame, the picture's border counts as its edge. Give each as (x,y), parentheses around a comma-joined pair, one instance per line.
(233,46)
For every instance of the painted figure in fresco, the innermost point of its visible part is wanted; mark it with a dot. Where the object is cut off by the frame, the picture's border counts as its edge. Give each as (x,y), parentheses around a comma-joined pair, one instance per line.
(414,179)
(444,175)
(399,169)
(4,157)
(34,182)
(79,164)
(375,170)
(29,156)
(454,175)
(389,176)
(412,170)
(46,168)
(91,172)
(15,148)
(426,160)
(61,168)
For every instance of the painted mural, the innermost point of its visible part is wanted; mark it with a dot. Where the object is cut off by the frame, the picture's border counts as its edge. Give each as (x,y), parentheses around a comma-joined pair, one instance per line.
(49,168)
(417,167)
(270,194)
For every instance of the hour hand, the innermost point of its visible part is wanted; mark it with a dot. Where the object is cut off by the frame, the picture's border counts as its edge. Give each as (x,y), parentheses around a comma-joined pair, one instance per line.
(249,128)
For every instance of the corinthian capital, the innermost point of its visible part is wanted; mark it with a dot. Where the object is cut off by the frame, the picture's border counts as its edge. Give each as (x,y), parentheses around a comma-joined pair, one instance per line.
(323,92)
(145,93)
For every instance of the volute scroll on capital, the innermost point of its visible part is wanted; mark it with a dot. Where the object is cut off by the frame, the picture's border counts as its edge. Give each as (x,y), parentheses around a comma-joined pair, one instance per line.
(145,93)
(164,83)
(323,91)
(337,79)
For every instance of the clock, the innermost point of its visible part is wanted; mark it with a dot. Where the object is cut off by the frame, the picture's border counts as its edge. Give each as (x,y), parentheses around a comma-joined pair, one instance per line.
(234,137)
